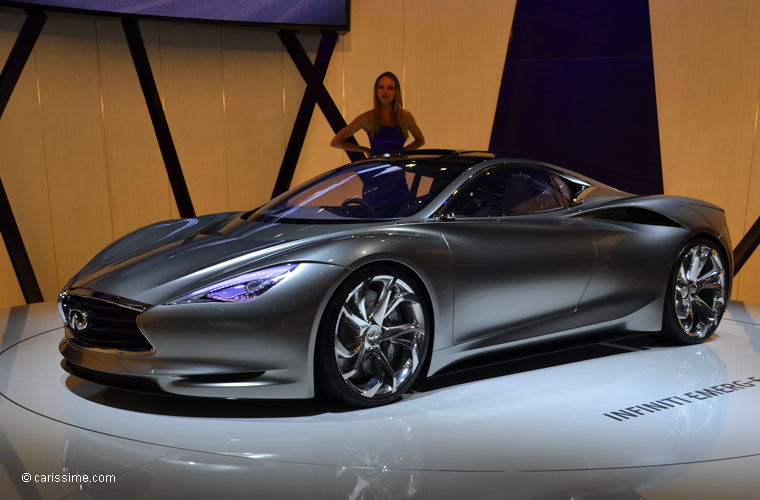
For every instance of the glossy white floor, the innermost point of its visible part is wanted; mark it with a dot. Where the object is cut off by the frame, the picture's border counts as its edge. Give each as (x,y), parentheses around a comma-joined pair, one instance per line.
(612,421)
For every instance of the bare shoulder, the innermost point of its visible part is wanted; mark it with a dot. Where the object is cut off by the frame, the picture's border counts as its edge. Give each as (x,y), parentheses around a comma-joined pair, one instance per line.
(364,119)
(408,115)
(360,122)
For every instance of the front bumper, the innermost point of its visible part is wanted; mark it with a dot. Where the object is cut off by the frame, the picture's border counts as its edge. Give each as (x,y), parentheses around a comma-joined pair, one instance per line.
(258,349)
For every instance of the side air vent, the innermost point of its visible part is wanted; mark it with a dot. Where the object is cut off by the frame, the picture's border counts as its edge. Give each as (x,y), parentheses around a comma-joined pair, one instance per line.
(128,382)
(636,215)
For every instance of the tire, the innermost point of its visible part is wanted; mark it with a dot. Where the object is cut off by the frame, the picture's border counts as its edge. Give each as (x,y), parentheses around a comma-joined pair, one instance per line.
(697,293)
(374,338)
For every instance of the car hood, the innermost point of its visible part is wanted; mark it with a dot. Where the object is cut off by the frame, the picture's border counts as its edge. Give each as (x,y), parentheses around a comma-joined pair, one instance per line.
(166,260)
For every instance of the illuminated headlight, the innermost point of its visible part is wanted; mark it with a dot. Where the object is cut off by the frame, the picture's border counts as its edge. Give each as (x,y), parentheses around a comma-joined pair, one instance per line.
(241,288)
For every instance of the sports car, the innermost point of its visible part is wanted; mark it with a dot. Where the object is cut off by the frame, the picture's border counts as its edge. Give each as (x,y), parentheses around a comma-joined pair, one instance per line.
(373,274)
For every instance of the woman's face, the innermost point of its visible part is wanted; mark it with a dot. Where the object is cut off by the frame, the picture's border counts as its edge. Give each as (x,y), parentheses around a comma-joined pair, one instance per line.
(386,90)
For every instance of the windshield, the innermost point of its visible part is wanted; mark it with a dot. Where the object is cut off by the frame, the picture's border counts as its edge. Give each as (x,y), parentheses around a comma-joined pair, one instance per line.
(369,190)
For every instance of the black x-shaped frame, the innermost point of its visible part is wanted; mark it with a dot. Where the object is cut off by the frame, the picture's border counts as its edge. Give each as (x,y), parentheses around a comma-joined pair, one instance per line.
(315,93)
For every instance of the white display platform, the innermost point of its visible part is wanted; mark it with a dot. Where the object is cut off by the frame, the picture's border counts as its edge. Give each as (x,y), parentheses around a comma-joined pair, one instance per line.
(615,421)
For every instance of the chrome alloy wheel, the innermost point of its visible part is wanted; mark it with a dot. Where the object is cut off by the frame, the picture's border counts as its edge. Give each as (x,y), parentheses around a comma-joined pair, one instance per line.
(700,290)
(380,336)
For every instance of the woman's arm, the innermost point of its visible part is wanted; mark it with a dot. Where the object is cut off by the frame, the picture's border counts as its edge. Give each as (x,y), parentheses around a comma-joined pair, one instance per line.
(414,129)
(340,140)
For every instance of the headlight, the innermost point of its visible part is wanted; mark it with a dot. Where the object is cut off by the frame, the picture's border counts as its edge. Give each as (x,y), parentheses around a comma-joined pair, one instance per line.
(241,288)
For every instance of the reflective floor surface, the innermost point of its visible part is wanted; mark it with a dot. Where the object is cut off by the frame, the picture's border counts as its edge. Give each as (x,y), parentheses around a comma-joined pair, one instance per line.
(631,419)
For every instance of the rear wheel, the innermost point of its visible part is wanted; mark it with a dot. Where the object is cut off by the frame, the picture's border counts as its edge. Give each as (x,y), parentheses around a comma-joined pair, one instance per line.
(374,339)
(697,293)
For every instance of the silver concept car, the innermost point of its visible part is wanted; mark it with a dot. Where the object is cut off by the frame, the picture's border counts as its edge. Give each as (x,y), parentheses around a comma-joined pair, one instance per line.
(370,275)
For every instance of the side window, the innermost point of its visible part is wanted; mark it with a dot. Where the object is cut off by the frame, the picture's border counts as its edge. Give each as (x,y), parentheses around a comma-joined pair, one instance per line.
(511,190)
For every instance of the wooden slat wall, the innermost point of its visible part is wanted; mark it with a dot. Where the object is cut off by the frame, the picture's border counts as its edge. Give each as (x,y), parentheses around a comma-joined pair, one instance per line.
(192,88)
(707,76)
(454,61)
(749,283)
(252,63)
(24,175)
(71,111)
(135,167)
(76,137)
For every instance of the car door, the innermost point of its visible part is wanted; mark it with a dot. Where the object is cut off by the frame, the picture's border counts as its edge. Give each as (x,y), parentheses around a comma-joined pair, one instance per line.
(518,257)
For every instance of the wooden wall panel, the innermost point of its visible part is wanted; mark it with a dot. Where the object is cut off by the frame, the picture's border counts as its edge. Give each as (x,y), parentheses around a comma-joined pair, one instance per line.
(24,175)
(191,77)
(10,25)
(707,71)
(152,40)
(138,183)
(254,114)
(454,59)
(748,285)
(72,128)
(10,292)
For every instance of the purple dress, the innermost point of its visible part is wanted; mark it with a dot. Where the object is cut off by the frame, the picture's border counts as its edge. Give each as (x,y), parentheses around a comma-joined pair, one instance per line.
(388,139)
(385,189)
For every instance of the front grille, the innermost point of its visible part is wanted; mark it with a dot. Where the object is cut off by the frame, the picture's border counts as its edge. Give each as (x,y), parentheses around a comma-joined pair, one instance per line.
(101,323)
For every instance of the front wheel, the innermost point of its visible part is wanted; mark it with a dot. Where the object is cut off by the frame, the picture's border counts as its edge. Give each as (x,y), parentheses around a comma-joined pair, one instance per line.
(697,293)
(374,338)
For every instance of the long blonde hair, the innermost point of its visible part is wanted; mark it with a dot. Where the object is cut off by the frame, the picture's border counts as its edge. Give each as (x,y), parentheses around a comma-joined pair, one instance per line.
(397,112)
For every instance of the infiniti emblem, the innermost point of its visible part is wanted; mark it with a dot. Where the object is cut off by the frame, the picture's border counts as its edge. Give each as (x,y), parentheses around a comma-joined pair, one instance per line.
(77,320)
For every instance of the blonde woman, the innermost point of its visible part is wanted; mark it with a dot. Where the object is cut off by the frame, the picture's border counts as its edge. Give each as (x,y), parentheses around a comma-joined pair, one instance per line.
(388,124)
